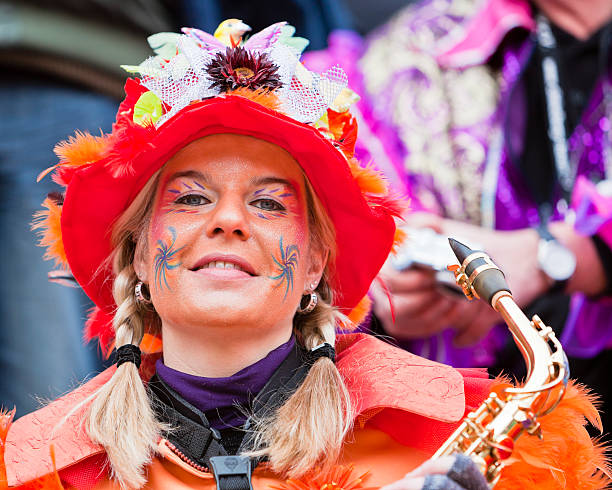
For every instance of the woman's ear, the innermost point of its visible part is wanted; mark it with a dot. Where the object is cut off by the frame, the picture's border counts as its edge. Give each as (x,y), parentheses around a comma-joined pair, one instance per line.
(318,261)
(140,263)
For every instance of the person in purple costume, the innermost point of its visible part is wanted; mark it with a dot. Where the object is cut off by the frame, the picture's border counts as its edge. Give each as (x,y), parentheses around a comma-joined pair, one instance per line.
(494,117)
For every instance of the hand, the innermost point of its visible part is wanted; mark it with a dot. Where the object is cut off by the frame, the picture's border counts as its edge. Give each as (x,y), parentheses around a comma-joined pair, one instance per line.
(515,252)
(421,310)
(449,473)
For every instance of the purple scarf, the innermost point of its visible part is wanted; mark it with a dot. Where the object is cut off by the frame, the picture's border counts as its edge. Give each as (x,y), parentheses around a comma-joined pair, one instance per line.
(224,400)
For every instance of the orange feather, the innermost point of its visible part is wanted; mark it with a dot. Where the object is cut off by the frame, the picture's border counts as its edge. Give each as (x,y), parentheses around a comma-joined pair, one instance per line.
(48,221)
(338,478)
(369,180)
(81,149)
(360,312)
(265,98)
(567,458)
(398,239)
(6,419)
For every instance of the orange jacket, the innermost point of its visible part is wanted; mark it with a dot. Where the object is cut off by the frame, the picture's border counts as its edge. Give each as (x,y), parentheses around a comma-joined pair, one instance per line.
(406,407)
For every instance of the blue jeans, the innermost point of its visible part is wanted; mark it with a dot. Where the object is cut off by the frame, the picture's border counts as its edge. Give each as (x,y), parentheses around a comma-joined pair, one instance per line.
(42,354)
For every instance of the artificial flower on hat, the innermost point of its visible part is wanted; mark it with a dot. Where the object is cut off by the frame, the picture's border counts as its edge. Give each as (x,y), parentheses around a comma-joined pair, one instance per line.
(198,84)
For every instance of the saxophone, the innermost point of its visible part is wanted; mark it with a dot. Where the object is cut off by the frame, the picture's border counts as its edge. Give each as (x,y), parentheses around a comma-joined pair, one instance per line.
(488,434)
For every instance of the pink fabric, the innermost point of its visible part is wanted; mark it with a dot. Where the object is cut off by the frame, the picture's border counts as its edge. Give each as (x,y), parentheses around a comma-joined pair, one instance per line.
(593,210)
(484,32)
(30,438)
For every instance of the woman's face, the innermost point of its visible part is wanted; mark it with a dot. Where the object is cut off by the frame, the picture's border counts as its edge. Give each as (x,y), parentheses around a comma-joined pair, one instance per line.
(228,242)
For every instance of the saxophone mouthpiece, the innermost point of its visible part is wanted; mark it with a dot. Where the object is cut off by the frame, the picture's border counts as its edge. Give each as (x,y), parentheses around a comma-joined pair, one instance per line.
(477,273)
(460,250)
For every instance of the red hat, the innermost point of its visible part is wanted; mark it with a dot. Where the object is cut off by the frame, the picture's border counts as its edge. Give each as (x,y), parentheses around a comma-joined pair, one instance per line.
(103,174)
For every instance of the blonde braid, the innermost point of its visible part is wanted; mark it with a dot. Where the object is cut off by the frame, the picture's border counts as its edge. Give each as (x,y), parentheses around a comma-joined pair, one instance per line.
(309,429)
(120,417)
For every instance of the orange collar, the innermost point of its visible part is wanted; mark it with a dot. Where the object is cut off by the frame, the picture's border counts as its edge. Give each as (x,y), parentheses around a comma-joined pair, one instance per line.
(377,375)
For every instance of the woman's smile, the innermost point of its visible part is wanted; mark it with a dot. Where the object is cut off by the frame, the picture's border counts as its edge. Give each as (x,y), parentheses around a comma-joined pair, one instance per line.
(224,267)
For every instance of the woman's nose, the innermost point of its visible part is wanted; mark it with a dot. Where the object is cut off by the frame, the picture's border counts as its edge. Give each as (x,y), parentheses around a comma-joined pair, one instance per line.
(230,218)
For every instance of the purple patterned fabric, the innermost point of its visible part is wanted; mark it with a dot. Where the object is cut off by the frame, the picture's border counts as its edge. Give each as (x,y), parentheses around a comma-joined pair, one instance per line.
(220,398)
(431,117)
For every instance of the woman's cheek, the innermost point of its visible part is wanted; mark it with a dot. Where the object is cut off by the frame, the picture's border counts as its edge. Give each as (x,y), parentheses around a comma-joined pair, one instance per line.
(166,258)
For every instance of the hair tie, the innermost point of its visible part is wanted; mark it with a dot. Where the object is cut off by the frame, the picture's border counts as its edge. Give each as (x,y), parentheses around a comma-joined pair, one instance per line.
(128,353)
(322,350)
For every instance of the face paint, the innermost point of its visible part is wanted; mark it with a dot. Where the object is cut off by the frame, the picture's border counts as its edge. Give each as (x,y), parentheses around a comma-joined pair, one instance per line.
(281,199)
(213,256)
(180,189)
(165,259)
(287,262)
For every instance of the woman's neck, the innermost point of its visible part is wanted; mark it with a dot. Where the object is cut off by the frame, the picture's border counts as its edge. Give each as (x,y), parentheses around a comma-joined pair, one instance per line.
(579,18)
(220,352)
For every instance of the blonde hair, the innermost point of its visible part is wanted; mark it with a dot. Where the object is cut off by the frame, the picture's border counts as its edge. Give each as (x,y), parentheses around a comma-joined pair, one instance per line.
(294,439)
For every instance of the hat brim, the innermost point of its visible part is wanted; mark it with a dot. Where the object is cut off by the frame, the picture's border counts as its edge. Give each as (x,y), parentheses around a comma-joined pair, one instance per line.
(95,198)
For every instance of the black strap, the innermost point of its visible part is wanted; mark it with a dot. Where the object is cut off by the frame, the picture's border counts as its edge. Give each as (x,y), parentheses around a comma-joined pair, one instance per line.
(283,383)
(190,431)
(192,435)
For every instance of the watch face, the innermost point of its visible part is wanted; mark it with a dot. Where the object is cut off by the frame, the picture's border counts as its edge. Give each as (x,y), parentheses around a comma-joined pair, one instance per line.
(557,261)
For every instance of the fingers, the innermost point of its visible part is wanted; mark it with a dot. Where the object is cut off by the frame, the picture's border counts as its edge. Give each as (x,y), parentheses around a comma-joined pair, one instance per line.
(408,281)
(406,484)
(416,314)
(466,474)
(440,482)
(474,323)
(447,473)
(439,466)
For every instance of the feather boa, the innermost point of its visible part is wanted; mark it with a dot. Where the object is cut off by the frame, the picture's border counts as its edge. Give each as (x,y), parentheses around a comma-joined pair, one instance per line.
(566,458)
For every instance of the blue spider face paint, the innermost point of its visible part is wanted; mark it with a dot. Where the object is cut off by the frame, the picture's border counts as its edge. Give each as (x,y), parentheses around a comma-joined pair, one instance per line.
(165,259)
(287,262)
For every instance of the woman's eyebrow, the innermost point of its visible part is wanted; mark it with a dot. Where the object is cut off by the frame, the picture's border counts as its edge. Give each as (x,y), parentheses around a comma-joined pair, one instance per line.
(194,174)
(273,180)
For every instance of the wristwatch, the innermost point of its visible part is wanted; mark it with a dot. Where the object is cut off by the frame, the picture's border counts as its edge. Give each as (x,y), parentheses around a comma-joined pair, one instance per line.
(556,260)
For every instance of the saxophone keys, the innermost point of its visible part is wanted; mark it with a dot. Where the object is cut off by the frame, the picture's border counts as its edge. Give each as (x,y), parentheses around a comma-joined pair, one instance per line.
(503,448)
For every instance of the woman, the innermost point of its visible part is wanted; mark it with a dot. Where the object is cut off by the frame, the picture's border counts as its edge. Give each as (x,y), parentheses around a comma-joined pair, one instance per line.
(226,215)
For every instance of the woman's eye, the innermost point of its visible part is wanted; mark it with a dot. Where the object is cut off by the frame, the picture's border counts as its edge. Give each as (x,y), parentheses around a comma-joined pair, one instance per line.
(268,205)
(192,200)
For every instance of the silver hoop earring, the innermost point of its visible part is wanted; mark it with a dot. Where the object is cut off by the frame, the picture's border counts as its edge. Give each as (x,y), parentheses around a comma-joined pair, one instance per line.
(314,299)
(138,294)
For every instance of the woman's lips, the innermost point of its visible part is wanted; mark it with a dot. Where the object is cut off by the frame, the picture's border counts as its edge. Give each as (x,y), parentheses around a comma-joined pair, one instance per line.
(224,266)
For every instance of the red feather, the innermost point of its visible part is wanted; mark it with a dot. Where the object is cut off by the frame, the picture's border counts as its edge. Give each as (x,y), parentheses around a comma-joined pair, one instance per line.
(99,326)
(127,141)
(393,204)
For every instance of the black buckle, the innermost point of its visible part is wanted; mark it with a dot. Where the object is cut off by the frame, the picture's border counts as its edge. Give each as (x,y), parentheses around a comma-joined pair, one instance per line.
(232,471)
